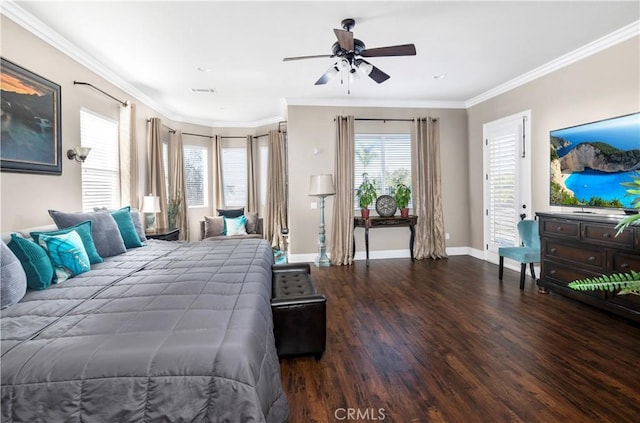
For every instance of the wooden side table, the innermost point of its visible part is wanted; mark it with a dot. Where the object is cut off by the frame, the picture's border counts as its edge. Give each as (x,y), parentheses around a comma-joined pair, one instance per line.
(164,234)
(383,222)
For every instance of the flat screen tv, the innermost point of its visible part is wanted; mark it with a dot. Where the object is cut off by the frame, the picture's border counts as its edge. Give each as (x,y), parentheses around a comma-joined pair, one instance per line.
(590,162)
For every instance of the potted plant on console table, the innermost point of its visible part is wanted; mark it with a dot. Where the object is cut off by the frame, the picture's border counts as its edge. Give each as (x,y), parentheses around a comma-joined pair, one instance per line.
(366,195)
(402,195)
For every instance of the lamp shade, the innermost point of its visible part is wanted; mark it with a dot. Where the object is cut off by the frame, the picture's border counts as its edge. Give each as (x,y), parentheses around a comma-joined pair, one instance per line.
(151,204)
(322,185)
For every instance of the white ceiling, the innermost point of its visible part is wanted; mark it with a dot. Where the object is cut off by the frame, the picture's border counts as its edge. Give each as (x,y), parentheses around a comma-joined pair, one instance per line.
(153,49)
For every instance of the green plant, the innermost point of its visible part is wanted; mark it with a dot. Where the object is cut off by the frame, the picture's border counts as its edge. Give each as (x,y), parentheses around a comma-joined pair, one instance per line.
(627,283)
(367,193)
(634,219)
(173,208)
(402,195)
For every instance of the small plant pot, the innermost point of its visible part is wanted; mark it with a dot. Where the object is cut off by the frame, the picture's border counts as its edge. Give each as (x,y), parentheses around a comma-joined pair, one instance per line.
(404,212)
(364,213)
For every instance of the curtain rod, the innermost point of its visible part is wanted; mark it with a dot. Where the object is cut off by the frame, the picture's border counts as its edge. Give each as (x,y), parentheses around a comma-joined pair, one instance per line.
(98,89)
(391,120)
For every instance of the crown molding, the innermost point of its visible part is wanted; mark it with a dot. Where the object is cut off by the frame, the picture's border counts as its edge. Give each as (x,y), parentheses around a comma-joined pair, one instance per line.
(378,103)
(583,52)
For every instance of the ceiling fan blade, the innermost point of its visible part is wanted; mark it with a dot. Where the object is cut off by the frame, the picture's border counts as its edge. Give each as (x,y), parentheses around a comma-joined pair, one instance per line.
(317,56)
(378,76)
(345,39)
(400,50)
(328,75)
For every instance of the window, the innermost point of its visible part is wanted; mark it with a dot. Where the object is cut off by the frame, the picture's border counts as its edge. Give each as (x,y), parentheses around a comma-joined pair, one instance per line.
(195,170)
(101,169)
(165,164)
(234,176)
(385,158)
(263,148)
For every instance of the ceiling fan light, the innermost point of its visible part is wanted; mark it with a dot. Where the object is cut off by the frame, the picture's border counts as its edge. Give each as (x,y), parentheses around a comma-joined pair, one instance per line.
(344,64)
(365,67)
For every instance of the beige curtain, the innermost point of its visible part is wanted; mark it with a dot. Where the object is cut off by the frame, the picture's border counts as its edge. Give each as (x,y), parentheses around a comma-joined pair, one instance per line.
(342,228)
(178,184)
(218,191)
(427,194)
(129,194)
(275,218)
(156,170)
(253,202)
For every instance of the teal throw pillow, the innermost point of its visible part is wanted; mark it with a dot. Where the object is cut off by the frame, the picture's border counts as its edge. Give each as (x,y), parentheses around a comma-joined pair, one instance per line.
(235,226)
(67,255)
(127,228)
(34,260)
(84,230)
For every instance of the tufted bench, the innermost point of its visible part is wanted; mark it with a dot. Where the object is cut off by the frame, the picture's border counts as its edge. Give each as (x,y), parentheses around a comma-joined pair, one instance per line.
(299,312)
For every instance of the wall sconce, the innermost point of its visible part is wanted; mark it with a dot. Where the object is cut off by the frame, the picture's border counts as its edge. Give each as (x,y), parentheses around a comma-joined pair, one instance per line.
(79,154)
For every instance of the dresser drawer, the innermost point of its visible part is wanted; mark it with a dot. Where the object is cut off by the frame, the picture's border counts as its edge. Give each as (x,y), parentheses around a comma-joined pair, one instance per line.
(594,257)
(563,228)
(606,235)
(562,274)
(623,262)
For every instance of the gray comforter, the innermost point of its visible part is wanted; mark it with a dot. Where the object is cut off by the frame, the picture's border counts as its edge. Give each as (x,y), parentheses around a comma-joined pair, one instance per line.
(167,332)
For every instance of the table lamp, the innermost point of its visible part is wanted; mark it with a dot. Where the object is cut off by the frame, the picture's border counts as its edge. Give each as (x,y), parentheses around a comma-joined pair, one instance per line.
(150,206)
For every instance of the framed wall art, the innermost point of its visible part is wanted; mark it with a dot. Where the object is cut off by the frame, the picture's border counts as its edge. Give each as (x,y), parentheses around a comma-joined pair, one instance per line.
(30,122)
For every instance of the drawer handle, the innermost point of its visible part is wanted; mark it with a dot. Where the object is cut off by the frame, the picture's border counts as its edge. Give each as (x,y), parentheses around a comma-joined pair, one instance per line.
(559,229)
(553,272)
(554,249)
(624,265)
(606,235)
(592,258)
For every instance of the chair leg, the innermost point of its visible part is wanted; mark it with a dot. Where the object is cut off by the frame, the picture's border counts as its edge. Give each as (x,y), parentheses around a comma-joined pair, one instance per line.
(501,269)
(533,272)
(523,271)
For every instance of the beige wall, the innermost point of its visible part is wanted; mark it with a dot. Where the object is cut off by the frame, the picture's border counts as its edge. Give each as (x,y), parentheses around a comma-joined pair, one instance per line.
(312,129)
(604,85)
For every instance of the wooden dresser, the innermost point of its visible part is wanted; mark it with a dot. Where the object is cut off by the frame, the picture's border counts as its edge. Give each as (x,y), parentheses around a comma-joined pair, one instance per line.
(578,246)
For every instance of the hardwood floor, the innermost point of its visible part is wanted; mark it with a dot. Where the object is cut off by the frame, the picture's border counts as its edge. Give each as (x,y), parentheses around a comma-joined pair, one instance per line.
(445,341)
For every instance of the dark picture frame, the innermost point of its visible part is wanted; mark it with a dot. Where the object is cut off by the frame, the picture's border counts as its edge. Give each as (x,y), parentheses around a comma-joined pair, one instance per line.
(30,122)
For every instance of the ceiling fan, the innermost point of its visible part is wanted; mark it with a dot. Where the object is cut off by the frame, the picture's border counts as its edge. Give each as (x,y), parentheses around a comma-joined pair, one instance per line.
(351,51)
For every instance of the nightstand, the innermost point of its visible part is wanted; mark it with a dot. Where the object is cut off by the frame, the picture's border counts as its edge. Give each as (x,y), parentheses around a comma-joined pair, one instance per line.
(164,234)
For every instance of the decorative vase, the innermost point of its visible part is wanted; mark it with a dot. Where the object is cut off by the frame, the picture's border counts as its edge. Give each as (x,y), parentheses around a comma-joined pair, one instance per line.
(364,213)
(404,212)
(172,222)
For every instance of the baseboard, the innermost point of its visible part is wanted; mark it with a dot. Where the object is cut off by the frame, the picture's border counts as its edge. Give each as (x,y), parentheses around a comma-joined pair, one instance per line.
(381,254)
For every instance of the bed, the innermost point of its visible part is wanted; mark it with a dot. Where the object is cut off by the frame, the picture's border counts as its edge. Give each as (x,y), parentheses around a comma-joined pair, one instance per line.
(167,332)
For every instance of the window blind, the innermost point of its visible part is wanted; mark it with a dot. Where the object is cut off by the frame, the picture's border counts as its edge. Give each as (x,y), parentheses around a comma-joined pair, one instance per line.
(386,158)
(195,170)
(502,183)
(234,176)
(101,169)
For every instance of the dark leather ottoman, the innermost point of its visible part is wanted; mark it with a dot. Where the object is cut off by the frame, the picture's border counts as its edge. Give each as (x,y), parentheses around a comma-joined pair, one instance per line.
(299,312)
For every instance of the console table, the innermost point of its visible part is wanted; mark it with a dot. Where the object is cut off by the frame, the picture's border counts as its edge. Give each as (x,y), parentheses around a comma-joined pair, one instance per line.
(575,246)
(164,234)
(383,222)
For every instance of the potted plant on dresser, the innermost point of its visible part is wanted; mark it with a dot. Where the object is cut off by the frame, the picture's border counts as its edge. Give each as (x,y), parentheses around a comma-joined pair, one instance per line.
(402,195)
(366,195)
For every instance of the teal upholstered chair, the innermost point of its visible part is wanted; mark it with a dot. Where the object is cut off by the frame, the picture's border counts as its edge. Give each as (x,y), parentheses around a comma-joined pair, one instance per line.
(528,253)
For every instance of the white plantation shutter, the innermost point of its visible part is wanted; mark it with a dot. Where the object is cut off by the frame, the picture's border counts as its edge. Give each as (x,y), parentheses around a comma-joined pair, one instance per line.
(502,178)
(234,176)
(195,171)
(165,163)
(386,158)
(101,169)
(263,149)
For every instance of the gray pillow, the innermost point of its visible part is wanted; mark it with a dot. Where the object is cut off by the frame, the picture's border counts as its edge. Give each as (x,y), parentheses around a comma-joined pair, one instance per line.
(213,226)
(137,221)
(252,222)
(13,280)
(106,235)
(231,213)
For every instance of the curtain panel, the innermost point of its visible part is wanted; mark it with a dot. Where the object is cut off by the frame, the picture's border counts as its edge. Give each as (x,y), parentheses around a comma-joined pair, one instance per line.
(276,217)
(218,199)
(253,203)
(427,193)
(178,187)
(129,194)
(341,249)
(156,179)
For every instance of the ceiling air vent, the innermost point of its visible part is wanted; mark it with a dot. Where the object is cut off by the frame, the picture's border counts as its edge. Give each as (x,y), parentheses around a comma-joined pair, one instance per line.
(203,90)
